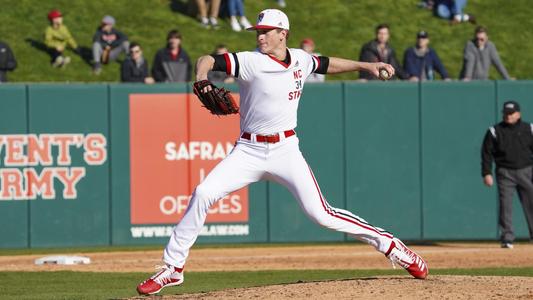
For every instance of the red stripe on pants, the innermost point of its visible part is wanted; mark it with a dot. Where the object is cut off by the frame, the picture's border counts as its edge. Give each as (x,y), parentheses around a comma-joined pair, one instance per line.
(340,217)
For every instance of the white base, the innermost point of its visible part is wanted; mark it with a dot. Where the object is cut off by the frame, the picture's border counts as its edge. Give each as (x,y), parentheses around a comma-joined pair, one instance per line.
(63,260)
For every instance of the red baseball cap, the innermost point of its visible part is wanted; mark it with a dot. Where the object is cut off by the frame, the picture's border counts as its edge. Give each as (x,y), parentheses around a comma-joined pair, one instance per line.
(54,14)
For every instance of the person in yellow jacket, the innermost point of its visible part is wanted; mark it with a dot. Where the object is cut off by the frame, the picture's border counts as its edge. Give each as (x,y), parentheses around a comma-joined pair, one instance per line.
(57,37)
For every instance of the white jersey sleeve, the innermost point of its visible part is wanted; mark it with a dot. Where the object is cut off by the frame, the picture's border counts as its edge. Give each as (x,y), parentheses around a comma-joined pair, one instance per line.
(239,65)
(313,63)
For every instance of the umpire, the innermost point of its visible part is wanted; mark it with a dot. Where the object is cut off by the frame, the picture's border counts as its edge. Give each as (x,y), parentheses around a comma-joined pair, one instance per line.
(510,144)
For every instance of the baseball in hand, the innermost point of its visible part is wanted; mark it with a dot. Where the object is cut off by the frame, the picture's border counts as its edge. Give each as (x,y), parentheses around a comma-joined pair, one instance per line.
(384,74)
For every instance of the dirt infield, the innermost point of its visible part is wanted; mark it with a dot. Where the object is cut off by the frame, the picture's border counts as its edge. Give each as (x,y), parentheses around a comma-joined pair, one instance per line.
(349,256)
(327,257)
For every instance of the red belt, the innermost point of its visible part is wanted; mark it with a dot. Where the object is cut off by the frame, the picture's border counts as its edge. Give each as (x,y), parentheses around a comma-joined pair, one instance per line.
(273,138)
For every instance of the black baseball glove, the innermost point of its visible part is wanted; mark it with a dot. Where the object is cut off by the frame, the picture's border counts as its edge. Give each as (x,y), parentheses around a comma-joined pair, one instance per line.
(217,100)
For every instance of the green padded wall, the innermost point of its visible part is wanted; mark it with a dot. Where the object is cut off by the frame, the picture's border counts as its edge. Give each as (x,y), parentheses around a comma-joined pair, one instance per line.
(455,117)
(382,155)
(13,213)
(403,156)
(74,108)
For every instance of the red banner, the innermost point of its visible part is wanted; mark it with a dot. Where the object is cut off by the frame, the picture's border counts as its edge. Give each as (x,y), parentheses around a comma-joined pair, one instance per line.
(174,144)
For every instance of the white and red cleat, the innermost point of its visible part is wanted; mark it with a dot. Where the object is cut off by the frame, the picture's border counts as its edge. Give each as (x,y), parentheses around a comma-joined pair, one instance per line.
(167,276)
(399,254)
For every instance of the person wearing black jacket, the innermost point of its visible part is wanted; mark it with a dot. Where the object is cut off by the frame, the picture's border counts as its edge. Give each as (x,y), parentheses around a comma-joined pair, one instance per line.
(108,43)
(7,61)
(510,144)
(379,50)
(135,67)
(172,63)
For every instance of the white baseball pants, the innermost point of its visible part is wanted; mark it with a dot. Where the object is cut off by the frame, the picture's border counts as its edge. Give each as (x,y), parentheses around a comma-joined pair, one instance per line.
(281,162)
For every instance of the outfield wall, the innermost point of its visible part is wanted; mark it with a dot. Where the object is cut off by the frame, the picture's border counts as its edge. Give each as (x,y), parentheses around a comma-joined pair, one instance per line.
(99,164)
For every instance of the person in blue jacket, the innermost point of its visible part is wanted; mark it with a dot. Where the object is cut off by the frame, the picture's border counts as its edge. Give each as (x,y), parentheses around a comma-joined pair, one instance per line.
(421,62)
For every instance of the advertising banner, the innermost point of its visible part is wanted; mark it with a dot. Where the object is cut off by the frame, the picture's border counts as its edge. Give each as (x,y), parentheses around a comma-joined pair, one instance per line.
(174,144)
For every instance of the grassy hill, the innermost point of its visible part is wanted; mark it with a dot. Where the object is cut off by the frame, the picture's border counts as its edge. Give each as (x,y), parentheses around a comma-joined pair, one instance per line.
(339,28)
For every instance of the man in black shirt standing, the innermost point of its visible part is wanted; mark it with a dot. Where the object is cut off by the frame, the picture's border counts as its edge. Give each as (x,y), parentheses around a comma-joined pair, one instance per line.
(510,144)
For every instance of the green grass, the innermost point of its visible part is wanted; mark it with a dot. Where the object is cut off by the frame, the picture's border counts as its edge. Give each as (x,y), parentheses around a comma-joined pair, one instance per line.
(339,28)
(88,285)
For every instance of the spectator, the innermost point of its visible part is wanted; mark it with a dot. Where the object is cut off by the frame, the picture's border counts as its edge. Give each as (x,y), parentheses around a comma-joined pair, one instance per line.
(308,45)
(7,61)
(214,6)
(479,54)
(135,67)
(510,144)
(57,37)
(108,43)
(379,50)
(236,9)
(219,76)
(172,64)
(421,61)
(453,10)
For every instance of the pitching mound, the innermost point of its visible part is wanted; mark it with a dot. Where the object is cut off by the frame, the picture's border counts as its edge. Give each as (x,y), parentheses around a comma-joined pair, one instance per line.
(389,287)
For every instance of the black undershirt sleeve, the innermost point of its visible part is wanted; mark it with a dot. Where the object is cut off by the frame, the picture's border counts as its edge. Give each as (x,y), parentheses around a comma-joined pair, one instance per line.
(323,66)
(220,62)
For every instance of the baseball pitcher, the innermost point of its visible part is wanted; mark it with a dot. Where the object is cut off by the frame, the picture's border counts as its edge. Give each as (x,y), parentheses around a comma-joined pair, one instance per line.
(271,81)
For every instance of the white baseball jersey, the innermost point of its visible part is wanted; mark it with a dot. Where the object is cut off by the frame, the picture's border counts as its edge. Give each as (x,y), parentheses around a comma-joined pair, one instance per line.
(270,90)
